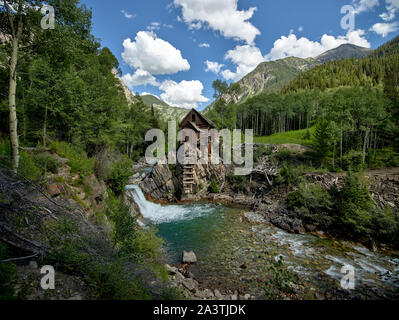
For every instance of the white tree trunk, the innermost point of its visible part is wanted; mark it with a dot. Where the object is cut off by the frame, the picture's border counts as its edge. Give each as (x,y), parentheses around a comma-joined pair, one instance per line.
(12,105)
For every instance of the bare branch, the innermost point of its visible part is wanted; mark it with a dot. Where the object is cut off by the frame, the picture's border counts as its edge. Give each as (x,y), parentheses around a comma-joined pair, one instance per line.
(19,259)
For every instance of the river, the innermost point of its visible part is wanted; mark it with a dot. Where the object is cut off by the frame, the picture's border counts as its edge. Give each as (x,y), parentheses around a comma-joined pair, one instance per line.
(223,241)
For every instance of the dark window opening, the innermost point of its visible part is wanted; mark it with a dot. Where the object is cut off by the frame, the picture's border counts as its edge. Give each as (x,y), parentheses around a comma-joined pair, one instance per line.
(193,117)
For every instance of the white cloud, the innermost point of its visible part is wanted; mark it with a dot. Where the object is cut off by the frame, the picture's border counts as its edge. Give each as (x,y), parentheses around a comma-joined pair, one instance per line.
(204,45)
(222,16)
(384,29)
(154,26)
(140,77)
(300,29)
(186,94)
(290,45)
(392,8)
(213,66)
(364,5)
(246,57)
(152,54)
(127,15)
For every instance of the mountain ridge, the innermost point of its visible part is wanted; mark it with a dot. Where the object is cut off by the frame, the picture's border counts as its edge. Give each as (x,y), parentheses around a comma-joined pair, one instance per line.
(167,111)
(163,109)
(271,76)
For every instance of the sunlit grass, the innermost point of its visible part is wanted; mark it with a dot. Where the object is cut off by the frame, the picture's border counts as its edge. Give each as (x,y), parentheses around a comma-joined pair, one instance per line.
(290,137)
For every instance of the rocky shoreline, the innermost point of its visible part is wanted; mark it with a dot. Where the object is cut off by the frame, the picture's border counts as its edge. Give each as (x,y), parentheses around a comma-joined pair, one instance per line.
(161,186)
(263,205)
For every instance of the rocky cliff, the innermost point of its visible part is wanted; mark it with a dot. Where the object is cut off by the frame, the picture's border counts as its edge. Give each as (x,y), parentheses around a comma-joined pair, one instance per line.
(164,183)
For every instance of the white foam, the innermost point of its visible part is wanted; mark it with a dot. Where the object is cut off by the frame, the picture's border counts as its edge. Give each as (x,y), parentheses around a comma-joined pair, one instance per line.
(159,214)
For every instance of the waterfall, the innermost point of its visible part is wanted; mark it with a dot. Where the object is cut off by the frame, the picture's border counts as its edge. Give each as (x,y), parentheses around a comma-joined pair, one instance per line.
(159,214)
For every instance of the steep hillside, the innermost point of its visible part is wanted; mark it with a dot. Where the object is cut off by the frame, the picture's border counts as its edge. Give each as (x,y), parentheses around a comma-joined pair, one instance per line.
(166,111)
(271,76)
(387,49)
(367,71)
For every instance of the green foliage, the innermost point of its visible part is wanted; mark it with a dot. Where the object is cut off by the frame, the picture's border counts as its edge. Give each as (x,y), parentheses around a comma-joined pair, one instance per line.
(239,183)
(322,139)
(220,87)
(386,226)
(383,157)
(349,212)
(387,49)
(138,245)
(46,163)
(280,281)
(77,159)
(313,203)
(288,174)
(222,115)
(354,207)
(119,175)
(7,274)
(214,187)
(289,137)
(28,167)
(352,161)
(262,151)
(284,154)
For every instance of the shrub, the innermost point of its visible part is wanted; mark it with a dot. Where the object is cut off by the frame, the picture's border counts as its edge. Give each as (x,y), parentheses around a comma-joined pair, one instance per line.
(28,167)
(307,135)
(77,159)
(119,176)
(261,151)
(354,207)
(386,226)
(46,163)
(239,183)
(312,202)
(383,158)
(353,160)
(288,174)
(214,187)
(284,154)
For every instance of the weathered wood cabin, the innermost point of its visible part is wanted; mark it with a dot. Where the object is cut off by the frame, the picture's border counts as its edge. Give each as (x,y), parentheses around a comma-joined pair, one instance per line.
(196,121)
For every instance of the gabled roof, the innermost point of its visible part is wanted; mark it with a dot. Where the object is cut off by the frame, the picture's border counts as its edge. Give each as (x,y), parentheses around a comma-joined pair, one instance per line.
(194,126)
(209,122)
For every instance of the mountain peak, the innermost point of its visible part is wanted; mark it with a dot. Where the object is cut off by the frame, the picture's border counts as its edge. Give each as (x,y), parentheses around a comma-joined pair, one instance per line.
(344,51)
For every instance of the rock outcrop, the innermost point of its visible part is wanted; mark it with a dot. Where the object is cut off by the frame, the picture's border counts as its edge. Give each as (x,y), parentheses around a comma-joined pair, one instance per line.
(165,182)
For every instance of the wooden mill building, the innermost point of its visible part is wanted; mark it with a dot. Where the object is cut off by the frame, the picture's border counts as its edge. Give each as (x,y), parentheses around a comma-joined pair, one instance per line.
(194,120)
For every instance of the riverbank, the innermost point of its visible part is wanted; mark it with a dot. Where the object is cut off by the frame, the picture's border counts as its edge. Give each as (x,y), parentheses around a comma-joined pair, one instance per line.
(238,255)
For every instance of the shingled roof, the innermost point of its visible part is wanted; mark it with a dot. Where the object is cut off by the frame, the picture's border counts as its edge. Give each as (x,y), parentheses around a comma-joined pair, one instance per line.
(201,116)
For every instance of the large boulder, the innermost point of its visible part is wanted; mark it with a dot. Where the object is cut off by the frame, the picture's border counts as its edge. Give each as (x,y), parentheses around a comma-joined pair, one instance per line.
(189,257)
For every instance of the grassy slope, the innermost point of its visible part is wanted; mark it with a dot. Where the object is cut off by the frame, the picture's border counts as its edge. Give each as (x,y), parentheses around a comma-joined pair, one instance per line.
(290,137)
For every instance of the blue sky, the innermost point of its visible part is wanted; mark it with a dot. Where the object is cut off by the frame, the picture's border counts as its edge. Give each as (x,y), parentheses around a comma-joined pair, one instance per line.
(175,49)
